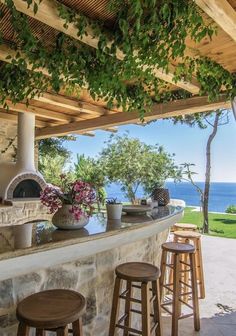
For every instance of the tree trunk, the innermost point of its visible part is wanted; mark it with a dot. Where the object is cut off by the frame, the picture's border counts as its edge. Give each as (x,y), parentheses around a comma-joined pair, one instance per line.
(208,175)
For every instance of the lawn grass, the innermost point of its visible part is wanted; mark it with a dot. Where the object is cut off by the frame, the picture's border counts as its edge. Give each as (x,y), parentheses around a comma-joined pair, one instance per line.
(221,225)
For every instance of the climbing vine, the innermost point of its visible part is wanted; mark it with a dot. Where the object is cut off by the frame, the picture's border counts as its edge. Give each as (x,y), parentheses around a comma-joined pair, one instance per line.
(147,35)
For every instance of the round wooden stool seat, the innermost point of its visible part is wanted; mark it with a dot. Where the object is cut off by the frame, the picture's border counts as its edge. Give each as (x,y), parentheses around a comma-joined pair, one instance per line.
(187,234)
(51,309)
(185,226)
(138,271)
(178,247)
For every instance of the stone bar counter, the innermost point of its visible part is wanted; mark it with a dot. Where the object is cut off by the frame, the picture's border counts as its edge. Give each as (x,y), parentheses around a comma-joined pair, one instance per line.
(37,256)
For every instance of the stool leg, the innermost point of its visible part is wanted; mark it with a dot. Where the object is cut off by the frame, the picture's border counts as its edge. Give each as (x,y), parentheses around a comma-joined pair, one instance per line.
(63,331)
(145,309)
(176,294)
(40,332)
(77,327)
(115,306)
(128,306)
(157,308)
(194,292)
(163,271)
(186,274)
(200,269)
(23,329)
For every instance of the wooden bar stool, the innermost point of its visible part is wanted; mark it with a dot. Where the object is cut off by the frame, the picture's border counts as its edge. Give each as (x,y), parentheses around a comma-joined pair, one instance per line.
(184,226)
(194,238)
(177,287)
(146,275)
(51,310)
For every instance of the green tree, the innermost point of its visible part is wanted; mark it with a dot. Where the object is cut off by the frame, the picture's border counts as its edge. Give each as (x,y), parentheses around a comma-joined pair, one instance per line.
(214,119)
(91,170)
(53,147)
(133,163)
(52,168)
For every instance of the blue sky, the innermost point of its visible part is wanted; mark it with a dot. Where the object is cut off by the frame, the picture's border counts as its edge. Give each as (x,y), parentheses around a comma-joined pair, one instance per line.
(187,143)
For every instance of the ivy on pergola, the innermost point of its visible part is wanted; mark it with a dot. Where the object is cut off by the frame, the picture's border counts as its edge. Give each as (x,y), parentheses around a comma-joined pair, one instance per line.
(150,34)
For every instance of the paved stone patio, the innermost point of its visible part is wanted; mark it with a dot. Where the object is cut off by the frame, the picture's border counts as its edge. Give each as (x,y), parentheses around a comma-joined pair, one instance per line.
(218,310)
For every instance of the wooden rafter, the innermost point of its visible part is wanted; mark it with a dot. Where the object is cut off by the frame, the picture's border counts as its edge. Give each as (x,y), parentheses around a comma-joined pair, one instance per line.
(13,118)
(71,104)
(22,107)
(48,14)
(222,13)
(179,107)
(57,100)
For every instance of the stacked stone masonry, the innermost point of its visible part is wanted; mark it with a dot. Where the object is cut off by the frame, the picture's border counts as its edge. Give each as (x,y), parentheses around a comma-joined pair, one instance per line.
(93,276)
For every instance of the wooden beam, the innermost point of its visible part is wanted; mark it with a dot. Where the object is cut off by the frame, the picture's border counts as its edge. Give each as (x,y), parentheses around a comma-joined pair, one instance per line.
(22,107)
(222,13)
(70,103)
(13,118)
(48,14)
(159,111)
(110,129)
(57,100)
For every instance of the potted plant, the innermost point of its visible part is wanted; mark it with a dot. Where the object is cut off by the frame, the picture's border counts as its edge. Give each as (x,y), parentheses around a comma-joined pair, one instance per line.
(72,205)
(114,208)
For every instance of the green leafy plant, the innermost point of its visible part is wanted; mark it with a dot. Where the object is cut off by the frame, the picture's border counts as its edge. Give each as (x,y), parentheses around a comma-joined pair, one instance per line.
(147,35)
(231,209)
(132,163)
(112,201)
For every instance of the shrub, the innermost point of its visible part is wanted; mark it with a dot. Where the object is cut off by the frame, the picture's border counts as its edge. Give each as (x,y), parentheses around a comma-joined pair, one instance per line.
(231,209)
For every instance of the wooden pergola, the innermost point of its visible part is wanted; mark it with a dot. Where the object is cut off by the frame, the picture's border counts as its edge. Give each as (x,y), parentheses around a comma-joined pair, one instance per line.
(61,114)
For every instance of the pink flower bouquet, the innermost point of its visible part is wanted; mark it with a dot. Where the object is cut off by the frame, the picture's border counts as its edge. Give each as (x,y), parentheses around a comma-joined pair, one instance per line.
(79,194)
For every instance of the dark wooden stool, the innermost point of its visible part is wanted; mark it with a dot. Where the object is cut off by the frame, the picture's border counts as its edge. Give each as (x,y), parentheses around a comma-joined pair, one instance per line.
(194,238)
(146,275)
(51,310)
(184,227)
(177,287)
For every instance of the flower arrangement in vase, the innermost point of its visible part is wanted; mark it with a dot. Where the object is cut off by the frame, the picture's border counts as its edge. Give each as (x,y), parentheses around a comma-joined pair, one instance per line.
(72,204)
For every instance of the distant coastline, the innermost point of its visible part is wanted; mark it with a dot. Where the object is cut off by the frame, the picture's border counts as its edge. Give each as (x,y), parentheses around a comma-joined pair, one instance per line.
(221,196)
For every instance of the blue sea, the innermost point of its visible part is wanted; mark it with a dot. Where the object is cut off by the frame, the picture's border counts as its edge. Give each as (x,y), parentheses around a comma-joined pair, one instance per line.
(221,194)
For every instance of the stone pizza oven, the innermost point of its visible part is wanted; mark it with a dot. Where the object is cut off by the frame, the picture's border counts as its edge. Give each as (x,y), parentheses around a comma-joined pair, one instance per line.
(20,179)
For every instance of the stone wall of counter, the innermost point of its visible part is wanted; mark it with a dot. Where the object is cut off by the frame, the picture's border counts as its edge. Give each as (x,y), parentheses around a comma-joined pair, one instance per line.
(21,212)
(92,276)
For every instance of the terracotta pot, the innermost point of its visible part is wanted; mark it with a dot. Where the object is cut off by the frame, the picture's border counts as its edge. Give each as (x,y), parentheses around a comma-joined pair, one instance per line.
(114,211)
(64,219)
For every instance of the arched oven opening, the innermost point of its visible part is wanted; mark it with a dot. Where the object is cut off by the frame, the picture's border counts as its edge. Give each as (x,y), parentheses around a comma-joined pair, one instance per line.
(27,189)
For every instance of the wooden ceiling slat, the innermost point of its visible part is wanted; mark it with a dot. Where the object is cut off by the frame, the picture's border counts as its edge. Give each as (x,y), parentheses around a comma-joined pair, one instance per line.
(222,13)
(179,107)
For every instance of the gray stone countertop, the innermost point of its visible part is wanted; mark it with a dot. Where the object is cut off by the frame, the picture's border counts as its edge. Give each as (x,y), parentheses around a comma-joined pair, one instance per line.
(45,236)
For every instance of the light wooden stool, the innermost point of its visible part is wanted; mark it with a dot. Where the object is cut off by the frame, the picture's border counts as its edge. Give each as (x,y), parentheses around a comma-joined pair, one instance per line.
(184,226)
(177,287)
(146,275)
(194,238)
(51,310)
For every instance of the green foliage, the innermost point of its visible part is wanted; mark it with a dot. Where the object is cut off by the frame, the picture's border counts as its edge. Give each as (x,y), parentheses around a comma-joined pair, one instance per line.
(90,170)
(52,167)
(231,209)
(53,147)
(132,163)
(148,34)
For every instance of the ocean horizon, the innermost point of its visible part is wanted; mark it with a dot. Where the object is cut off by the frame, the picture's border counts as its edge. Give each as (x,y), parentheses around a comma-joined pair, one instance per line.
(222,194)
